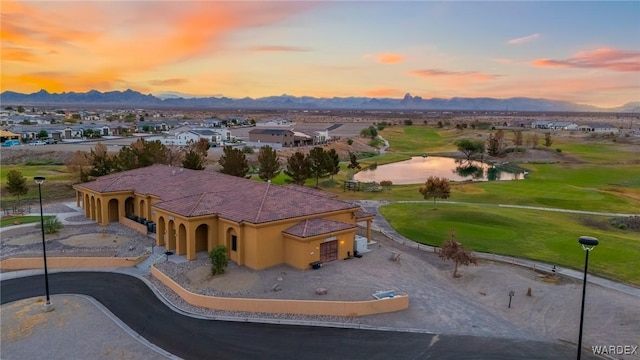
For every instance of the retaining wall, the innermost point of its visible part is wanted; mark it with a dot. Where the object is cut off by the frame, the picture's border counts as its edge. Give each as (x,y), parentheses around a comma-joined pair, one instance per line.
(68,262)
(275,306)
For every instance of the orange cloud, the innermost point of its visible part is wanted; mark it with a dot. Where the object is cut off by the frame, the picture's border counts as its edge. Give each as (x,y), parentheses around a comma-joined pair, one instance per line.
(168,82)
(464,75)
(124,39)
(603,58)
(275,48)
(386,58)
(384,92)
(524,39)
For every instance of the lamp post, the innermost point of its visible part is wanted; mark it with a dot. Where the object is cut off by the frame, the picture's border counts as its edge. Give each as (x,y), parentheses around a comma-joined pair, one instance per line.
(47,305)
(588,243)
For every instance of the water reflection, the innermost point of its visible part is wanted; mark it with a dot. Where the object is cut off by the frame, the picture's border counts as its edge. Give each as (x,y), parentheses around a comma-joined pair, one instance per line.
(418,169)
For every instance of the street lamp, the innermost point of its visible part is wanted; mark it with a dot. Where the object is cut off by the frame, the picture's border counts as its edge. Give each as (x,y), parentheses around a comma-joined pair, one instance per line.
(47,305)
(588,243)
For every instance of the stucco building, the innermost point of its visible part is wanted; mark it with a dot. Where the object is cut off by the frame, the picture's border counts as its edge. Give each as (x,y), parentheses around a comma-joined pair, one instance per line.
(261,224)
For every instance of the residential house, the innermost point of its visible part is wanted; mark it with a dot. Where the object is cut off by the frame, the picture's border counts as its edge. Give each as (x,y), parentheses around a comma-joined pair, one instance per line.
(599,128)
(284,137)
(260,224)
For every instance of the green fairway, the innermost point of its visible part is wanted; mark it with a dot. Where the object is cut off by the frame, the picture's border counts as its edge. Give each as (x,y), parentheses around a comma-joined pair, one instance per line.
(550,237)
(21,219)
(56,186)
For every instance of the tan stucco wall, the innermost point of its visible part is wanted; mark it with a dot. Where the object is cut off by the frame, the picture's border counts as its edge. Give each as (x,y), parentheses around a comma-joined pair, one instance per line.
(68,262)
(274,306)
(258,246)
(141,228)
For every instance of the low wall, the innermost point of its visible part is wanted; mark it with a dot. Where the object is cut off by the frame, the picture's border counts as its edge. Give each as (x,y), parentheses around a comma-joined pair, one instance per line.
(303,307)
(68,262)
(141,228)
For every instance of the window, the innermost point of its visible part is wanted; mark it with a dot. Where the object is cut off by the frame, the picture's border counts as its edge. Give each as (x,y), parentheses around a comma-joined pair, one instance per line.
(234,243)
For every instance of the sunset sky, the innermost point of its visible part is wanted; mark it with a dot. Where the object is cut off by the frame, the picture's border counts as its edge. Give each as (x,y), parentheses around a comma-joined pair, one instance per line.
(583,52)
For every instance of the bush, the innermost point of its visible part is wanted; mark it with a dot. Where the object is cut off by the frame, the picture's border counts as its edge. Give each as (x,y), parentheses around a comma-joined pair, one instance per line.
(558,150)
(219,260)
(349,142)
(247,149)
(52,225)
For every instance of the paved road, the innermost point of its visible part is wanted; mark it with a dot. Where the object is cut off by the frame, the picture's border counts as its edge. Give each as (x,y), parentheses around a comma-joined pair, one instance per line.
(194,338)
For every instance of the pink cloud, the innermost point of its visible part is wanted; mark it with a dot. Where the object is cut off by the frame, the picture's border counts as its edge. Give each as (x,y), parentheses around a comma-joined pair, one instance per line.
(386,58)
(524,39)
(603,58)
(468,75)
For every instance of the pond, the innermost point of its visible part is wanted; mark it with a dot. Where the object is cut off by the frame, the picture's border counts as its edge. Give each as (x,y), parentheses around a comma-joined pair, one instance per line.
(418,169)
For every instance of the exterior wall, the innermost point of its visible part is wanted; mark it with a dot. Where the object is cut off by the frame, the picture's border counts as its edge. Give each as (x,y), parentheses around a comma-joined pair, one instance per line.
(273,306)
(257,246)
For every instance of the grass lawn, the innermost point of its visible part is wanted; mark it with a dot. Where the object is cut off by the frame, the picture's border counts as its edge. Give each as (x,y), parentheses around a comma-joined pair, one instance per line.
(546,236)
(57,184)
(22,219)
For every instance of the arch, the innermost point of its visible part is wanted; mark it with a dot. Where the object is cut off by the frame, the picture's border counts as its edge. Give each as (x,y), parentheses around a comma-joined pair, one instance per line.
(99,210)
(143,209)
(92,214)
(171,235)
(114,210)
(182,240)
(161,233)
(87,206)
(202,237)
(128,206)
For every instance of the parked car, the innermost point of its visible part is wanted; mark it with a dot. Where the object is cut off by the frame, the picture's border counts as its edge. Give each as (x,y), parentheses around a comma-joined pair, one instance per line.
(38,143)
(9,143)
(51,141)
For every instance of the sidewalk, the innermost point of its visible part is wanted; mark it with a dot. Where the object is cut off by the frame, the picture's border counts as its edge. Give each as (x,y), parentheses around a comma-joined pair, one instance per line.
(380,224)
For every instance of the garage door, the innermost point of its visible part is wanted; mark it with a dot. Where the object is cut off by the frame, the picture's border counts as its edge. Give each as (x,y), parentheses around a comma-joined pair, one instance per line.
(329,251)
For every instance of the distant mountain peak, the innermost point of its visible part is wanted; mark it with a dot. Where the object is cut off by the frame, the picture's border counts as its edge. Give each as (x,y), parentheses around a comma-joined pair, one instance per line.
(134,99)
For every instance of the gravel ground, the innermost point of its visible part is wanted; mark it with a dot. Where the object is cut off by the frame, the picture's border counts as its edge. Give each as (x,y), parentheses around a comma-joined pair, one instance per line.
(473,304)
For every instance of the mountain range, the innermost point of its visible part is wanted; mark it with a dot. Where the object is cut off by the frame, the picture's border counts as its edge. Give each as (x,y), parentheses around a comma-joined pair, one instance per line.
(134,99)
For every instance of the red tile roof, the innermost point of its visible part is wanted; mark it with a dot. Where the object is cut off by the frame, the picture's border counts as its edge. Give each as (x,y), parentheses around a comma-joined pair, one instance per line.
(314,227)
(200,192)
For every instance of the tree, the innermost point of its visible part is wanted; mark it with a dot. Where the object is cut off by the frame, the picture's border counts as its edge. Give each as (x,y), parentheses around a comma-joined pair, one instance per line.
(453,250)
(219,260)
(233,162)
(42,134)
(202,147)
(547,139)
(333,162)
(517,138)
(16,184)
(386,184)
(268,163)
(436,188)
(298,168)
(470,147)
(353,165)
(20,109)
(495,143)
(101,161)
(78,163)
(408,122)
(318,163)
(370,132)
(193,160)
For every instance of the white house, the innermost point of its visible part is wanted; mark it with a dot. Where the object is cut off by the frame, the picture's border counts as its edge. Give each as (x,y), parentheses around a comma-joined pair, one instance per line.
(599,128)
(563,125)
(194,135)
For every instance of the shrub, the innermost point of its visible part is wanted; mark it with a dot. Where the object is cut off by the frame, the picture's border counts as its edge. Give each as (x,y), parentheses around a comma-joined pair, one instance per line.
(52,225)
(349,142)
(247,149)
(219,260)
(558,150)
